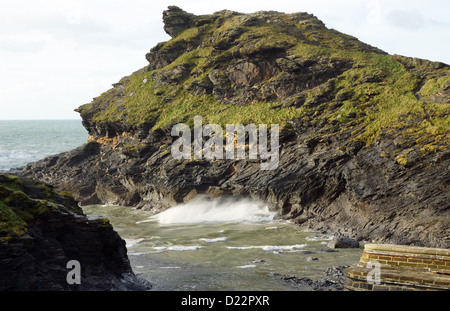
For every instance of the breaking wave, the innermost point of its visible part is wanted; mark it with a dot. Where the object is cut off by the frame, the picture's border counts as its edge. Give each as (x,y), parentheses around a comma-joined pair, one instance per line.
(270,247)
(222,239)
(178,248)
(202,209)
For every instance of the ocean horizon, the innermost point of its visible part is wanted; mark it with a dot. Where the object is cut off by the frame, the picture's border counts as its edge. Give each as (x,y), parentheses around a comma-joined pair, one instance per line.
(26,141)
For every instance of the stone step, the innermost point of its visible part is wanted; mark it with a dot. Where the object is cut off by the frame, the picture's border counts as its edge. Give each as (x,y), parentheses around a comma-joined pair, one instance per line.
(399,267)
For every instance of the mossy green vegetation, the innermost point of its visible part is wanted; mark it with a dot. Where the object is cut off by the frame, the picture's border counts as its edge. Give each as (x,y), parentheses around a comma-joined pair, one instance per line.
(377,92)
(21,203)
(432,85)
(11,224)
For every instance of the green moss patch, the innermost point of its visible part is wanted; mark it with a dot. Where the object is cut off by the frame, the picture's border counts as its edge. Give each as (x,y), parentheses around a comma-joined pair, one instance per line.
(22,202)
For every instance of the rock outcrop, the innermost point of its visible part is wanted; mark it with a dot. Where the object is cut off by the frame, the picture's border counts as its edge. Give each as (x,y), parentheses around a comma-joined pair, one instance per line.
(42,231)
(364,140)
(176,20)
(343,243)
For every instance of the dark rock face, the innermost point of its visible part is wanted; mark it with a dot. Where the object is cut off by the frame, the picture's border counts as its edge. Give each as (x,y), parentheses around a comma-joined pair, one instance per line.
(38,259)
(334,175)
(354,193)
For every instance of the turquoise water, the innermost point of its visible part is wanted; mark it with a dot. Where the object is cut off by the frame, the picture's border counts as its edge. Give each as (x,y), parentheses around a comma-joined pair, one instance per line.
(27,141)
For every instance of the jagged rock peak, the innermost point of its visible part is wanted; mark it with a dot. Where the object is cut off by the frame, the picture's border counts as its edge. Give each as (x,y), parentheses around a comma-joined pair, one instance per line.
(176,20)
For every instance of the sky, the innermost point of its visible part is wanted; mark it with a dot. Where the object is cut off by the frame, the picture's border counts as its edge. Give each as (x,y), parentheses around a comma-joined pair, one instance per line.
(56,55)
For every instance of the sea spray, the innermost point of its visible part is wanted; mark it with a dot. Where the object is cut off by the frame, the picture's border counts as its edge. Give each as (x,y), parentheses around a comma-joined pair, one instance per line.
(202,209)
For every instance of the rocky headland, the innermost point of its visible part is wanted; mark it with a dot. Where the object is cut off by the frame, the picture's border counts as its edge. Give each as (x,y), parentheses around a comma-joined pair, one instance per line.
(364,139)
(43,231)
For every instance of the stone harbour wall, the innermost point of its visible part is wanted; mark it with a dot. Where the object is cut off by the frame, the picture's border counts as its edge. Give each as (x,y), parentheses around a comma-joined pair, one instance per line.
(388,267)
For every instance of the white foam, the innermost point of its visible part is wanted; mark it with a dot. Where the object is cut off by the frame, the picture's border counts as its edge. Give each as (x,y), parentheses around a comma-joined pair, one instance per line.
(270,247)
(222,239)
(132,242)
(15,158)
(169,267)
(160,248)
(246,266)
(135,253)
(178,248)
(151,219)
(202,210)
(318,238)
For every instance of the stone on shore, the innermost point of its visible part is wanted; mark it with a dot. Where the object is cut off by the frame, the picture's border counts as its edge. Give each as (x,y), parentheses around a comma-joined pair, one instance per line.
(340,242)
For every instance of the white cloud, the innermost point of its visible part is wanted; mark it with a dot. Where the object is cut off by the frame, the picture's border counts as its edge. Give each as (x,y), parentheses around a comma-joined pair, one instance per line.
(374,14)
(406,19)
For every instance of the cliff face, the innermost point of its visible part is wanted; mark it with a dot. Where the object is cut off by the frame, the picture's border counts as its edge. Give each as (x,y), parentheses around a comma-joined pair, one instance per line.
(41,231)
(364,135)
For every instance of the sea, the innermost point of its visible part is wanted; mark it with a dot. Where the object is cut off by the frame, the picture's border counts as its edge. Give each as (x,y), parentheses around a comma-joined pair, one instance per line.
(25,141)
(203,245)
(221,245)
